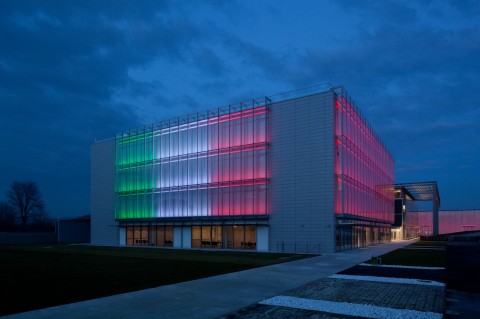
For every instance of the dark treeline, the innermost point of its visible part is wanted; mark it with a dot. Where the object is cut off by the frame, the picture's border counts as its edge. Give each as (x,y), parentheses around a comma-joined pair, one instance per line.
(24,209)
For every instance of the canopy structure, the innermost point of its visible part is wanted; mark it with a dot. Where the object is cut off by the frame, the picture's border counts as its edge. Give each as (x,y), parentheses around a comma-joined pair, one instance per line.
(424,191)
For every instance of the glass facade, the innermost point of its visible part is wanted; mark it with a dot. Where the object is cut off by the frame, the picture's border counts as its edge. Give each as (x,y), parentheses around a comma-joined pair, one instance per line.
(210,164)
(412,230)
(364,180)
(356,233)
(208,174)
(149,235)
(449,221)
(224,236)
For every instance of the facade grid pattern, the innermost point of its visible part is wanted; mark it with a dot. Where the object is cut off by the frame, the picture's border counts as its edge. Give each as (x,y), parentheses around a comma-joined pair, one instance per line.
(364,180)
(363,167)
(450,221)
(302,172)
(214,164)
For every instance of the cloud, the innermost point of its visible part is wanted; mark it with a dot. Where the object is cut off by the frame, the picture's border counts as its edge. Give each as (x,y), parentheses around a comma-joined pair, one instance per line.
(393,12)
(61,65)
(208,62)
(71,72)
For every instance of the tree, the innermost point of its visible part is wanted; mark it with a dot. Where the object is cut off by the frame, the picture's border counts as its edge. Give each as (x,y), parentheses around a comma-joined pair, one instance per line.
(25,199)
(42,223)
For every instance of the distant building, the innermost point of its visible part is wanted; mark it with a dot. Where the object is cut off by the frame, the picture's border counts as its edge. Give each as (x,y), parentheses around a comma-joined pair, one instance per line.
(449,221)
(417,213)
(452,221)
(298,172)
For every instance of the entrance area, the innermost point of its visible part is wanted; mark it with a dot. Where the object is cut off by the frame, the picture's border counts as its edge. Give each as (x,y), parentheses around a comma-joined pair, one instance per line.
(351,234)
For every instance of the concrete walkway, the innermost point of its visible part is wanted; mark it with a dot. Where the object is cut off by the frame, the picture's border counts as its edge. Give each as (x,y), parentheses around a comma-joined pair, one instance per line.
(214,296)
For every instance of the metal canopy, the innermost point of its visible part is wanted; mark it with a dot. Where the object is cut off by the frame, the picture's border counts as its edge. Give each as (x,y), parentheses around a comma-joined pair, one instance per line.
(423,191)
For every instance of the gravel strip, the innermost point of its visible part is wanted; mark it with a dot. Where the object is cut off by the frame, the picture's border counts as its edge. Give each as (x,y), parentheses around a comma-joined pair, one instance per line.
(389,279)
(351,309)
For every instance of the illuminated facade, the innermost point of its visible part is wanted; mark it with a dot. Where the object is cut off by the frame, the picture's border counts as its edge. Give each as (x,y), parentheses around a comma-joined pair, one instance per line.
(449,221)
(364,180)
(299,172)
(420,223)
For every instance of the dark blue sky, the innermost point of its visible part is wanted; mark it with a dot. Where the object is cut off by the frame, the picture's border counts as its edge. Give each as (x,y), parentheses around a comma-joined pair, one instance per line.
(73,71)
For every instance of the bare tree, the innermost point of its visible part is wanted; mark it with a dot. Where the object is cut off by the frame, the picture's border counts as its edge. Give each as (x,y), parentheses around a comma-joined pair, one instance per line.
(25,198)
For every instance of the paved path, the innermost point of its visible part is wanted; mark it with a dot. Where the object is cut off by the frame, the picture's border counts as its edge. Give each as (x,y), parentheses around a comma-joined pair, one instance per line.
(334,298)
(214,296)
(382,294)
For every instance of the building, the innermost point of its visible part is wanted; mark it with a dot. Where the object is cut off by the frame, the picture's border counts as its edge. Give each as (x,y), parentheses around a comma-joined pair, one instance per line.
(453,221)
(449,222)
(296,172)
(410,198)
(417,213)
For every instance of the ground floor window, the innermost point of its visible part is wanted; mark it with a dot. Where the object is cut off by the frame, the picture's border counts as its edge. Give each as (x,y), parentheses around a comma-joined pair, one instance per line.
(203,236)
(149,235)
(355,234)
(224,236)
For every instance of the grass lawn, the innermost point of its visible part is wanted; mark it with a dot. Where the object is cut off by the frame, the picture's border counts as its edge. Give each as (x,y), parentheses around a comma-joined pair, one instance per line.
(409,256)
(39,276)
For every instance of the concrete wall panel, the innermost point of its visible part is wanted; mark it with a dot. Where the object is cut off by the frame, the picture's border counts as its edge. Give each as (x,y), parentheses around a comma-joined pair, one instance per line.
(302,177)
(104,228)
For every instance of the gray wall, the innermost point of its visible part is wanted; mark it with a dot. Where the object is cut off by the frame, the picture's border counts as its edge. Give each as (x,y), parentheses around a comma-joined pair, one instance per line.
(104,228)
(73,231)
(302,177)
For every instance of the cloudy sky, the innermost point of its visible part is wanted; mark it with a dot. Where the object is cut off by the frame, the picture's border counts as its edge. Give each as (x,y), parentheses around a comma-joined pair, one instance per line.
(73,71)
